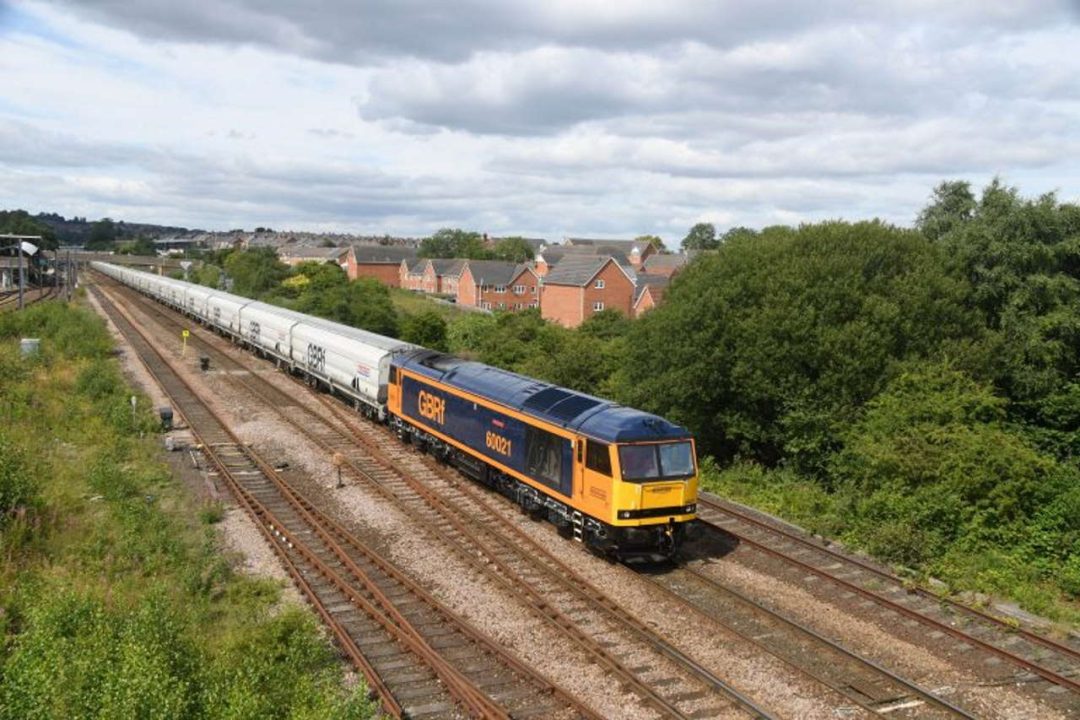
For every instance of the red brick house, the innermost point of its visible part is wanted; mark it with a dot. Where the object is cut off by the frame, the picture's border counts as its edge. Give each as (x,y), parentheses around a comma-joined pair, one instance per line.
(440,276)
(382,262)
(581,286)
(449,273)
(497,285)
(649,292)
(412,272)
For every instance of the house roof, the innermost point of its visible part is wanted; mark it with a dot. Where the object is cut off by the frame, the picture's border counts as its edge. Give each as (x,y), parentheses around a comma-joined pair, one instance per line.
(655,284)
(554,255)
(382,254)
(448,267)
(668,261)
(492,272)
(313,253)
(578,270)
(415,266)
(523,267)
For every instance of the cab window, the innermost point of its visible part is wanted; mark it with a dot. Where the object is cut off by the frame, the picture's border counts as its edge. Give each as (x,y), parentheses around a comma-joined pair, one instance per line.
(664,461)
(676,459)
(639,462)
(598,458)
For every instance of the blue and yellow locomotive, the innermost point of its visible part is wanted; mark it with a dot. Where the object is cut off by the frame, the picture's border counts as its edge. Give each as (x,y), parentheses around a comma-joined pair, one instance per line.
(622,481)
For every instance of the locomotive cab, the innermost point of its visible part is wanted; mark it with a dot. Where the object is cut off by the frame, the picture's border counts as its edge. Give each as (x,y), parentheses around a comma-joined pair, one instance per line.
(655,488)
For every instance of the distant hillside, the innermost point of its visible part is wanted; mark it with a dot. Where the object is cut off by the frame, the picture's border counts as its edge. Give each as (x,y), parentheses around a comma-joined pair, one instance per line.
(76,231)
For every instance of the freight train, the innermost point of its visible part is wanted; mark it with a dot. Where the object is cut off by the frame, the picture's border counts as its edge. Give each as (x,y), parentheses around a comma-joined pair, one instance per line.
(621,481)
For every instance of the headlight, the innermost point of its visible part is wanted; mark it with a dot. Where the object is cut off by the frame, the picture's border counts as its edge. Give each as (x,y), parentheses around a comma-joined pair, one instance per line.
(692,507)
(624,514)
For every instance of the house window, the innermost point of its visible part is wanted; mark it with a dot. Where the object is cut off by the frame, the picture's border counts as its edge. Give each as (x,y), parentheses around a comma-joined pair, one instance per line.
(500,288)
(502,306)
(486,305)
(519,289)
(598,306)
(599,284)
(535,288)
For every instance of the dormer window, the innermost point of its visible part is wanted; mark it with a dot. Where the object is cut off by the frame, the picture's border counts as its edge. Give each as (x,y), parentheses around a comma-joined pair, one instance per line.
(599,284)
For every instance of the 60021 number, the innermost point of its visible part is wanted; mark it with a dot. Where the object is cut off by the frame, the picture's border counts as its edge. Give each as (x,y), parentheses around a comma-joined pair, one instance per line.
(498,443)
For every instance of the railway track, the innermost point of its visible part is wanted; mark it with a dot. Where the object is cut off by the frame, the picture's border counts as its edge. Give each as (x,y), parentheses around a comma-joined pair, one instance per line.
(1035,656)
(418,657)
(663,677)
(866,683)
(10,300)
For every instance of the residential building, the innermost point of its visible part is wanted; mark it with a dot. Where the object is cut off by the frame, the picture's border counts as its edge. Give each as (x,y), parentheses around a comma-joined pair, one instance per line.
(412,273)
(582,285)
(382,262)
(440,276)
(497,285)
(297,255)
(649,292)
(449,274)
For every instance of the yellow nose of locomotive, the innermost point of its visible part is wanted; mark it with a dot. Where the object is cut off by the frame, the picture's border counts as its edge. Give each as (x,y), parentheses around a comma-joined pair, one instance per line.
(657,483)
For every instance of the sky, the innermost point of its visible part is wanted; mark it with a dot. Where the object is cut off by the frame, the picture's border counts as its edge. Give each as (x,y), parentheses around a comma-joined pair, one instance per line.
(545,119)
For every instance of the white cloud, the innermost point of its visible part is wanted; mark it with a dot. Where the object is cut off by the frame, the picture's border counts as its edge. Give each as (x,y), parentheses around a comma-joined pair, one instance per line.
(540,118)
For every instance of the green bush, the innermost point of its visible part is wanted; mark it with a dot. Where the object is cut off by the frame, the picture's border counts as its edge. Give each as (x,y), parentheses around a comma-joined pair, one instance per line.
(18,486)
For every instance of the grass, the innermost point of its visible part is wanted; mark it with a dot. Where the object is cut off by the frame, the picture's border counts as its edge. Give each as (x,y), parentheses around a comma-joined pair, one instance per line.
(115,599)
(407,302)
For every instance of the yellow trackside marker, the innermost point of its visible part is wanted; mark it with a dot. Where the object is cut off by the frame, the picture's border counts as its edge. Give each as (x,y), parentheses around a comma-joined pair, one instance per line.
(184,334)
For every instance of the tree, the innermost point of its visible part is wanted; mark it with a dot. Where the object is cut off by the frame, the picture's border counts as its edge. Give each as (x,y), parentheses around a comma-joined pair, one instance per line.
(364,303)
(467,334)
(20,222)
(141,245)
(102,235)
(654,240)
(370,307)
(701,237)
(1020,262)
(771,346)
(207,274)
(256,271)
(605,325)
(737,233)
(953,204)
(454,243)
(933,464)
(427,329)
(513,249)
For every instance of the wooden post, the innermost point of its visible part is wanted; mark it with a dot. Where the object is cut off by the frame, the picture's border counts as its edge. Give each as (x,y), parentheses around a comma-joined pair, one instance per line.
(337,461)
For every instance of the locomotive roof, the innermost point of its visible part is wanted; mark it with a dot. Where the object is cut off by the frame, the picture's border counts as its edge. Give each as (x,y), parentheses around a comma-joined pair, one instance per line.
(589,415)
